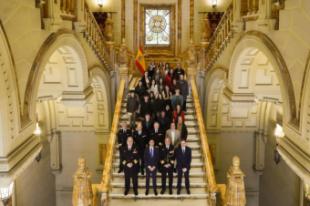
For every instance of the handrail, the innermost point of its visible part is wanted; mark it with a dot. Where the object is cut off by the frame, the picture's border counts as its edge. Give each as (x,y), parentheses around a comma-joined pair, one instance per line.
(209,170)
(96,37)
(106,176)
(220,37)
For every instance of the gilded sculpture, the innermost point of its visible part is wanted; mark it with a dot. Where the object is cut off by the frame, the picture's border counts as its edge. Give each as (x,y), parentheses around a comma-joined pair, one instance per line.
(82,187)
(235,192)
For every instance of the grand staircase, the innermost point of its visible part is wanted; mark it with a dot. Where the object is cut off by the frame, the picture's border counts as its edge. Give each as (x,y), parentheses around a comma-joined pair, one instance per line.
(198,181)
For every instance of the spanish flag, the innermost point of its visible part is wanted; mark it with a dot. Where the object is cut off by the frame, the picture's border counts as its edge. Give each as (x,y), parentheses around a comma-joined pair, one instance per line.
(140,62)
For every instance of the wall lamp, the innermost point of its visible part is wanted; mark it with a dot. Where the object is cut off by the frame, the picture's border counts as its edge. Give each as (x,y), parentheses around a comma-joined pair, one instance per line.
(6,194)
(278,133)
(214,3)
(100,2)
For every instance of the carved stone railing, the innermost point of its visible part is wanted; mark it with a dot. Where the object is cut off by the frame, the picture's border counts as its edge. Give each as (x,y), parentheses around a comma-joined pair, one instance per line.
(103,49)
(236,18)
(77,11)
(107,169)
(68,9)
(220,38)
(208,165)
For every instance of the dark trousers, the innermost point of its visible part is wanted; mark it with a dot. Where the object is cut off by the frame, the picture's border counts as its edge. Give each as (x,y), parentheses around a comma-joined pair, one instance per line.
(147,180)
(141,157)
(184,103)
(186,176)
(121,167)
(130,174)
(164,174)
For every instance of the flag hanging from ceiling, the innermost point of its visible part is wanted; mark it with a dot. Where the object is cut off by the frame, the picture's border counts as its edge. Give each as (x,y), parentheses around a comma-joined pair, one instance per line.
(140,62)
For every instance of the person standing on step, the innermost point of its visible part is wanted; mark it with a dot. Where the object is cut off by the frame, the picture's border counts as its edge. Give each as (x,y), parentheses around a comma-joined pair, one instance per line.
(145,106)
(183,85)
(151,159)
(130,161)
(167,159)
(177,99)
(140,138)
(132,107)
(122,135)
(183,156)
(174,135)
(147,124)
(178,71)
(182,128)
(157,134)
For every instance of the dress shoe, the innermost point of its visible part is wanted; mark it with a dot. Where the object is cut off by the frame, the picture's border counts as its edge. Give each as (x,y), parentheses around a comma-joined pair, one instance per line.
(119,171)
(188,192)
(146,193)
(162,192)
(136,193)
(155,192)
(126,193)
(179,192)
(170,192)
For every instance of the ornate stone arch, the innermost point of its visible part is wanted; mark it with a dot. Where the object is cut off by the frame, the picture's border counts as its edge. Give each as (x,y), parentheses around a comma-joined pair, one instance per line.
(263,43)
(305,106)
(215,82)
(61,39)
(101,85)
(9,110)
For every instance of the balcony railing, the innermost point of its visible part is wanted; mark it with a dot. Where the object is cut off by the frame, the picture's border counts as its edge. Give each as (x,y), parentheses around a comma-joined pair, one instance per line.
(220,38)
(97,40)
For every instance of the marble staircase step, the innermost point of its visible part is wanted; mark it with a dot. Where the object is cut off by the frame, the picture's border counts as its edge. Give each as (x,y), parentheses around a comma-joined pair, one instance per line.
(141,190)
(166,196)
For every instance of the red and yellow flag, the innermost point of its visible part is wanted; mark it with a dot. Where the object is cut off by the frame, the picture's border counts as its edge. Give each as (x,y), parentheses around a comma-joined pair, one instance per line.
(140,62)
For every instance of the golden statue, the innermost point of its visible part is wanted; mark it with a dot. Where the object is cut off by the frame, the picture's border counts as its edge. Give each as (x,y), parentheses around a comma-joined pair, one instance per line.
(235,192)
(82,187)
(123,54)
(108,29)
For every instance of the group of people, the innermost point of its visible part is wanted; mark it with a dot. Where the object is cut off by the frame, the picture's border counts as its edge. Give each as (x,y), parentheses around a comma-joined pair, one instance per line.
(155,139)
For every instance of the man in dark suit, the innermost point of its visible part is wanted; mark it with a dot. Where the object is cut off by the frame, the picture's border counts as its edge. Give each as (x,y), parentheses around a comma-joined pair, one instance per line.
(132,107)
(164,121)
(183,156)
(147,124)
(151,158)
(184,90)
(140,138)
(157,135)
(130,161)
(178,71)
(167,159)
(145,106)
(122,135)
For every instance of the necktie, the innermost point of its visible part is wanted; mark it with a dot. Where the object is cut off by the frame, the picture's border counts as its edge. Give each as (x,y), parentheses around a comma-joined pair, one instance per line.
(183,150)
(152,152)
